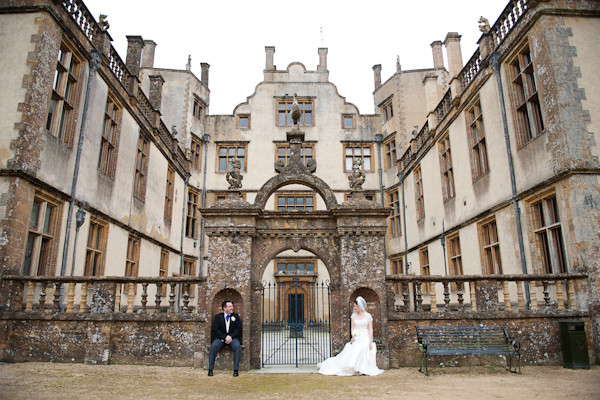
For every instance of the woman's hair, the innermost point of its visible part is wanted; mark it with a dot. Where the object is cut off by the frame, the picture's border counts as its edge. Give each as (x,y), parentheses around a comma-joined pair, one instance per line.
(361,303)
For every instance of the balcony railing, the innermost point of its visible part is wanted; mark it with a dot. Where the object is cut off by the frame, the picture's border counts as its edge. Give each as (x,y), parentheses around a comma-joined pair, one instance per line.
(483,293)
(101,295)
(508,19)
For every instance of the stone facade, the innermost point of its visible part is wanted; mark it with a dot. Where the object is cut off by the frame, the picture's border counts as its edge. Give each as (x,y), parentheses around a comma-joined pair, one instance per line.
(459,202)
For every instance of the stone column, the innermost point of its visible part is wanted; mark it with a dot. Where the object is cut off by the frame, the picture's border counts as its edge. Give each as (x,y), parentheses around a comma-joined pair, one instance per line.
(148,54)
(452,43)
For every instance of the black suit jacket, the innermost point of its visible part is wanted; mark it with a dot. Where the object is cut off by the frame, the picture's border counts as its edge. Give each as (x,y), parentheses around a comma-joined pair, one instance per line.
(220,331)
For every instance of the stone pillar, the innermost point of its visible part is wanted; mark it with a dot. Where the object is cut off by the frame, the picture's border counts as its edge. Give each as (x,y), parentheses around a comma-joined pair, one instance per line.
(438,56)
(270,51)
(148,54)
(204,74)
(135,44)
(156,84)
(486,295)
(486,45)
(452,43)
(377,75)
(322,59)
(103,298)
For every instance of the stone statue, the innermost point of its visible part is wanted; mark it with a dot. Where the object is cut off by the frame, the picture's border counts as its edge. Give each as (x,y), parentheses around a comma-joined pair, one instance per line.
(296,114)
(484,25)
(357,178)
(234,177)
(103,23)
(173,131)
(188,66)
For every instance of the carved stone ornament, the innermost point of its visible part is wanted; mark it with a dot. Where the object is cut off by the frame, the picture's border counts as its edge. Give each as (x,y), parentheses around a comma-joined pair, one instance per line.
(357,178)
(234,177)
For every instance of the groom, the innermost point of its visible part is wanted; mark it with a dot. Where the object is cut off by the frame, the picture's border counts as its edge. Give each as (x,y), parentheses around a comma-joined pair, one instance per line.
(226,329)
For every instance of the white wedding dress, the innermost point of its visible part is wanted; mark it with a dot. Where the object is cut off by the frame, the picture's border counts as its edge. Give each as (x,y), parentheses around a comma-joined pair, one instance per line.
(355,358)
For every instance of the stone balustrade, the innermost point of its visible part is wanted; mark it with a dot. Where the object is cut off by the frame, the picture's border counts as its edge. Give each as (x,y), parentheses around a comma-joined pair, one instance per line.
(489,293)
(101,295)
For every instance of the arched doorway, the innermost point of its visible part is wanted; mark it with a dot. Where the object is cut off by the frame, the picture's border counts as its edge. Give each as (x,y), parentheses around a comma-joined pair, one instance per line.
(295,312)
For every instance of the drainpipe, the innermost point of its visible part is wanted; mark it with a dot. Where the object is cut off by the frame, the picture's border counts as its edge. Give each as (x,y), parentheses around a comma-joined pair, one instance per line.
(187,179)
(378,139)
(206,140)
(495,64)
(79,220)
(94,64)
(401,176)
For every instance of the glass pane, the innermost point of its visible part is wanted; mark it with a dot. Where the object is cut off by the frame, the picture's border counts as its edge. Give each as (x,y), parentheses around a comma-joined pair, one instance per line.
(307,118)
(48,218)
(231,151)
(308,106)
(348,163)
(300,268)
(282,106)
(280,268)
(367,164)
(290,201)
(281,118)
(281,201)
(291,268)
(223,151)
(243,122)
(300,201)
(310,268)
(28,253)
(222,164)
(367,151)
(347,122)
(357,151)
(308,151)
(35,210)
(309,201)
(348,151)
(281,151)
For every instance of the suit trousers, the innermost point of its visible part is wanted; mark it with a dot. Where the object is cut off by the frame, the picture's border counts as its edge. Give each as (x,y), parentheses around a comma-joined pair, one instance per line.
(217,345)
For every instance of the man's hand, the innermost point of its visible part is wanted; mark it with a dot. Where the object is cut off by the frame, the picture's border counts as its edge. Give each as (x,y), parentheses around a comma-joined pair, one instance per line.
(228,339)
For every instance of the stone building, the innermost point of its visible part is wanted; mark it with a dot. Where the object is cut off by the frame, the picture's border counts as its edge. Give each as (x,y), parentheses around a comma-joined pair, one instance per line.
(128,212)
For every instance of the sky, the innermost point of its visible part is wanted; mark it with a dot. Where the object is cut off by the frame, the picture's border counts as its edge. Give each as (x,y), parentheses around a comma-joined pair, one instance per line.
(231,36)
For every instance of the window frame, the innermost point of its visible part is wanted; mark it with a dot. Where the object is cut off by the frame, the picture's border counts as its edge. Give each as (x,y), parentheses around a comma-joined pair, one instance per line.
(227,156)
(491,257)
(547,229)
(477,141)
(239,121)
(295,262)
(96,248)
(286,147)
(397,268)
(287,112)
(353,156)
(196,153)
(424,267)
(163,270)
(386,109)
(391,154)
(198,108)
(192,214)
(132,261)
(63,105)
(288,196)
(169,194)
(42,243)
(111,132)
(419,194)
(189,269)
(395,219)
(352,118)
(446,168)
(141,168)
(525,97)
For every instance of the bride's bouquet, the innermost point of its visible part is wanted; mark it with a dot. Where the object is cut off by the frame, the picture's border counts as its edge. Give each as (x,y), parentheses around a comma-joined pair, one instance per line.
(355,333)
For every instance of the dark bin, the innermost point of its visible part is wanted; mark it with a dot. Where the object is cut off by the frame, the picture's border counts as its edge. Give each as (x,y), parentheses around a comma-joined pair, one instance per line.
(574,344)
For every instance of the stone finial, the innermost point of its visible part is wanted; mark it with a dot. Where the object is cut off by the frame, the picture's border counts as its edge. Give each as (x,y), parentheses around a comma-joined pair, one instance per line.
(484,25)
(188,66)
(398,66)
(377,75)
(234,177)
(357,178)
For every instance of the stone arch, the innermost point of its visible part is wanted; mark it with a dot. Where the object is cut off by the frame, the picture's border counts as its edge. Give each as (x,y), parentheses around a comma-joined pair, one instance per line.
(310,180)
(276,246)
(373,308)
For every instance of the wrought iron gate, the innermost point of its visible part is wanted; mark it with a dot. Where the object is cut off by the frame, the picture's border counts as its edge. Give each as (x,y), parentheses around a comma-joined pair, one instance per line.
(295,323)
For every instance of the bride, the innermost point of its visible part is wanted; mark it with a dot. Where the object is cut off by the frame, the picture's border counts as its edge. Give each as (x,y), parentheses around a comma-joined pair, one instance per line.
(358,356)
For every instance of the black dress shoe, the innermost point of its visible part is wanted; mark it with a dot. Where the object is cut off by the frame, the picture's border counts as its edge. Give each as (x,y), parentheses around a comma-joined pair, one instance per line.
(210,373)
(235,373)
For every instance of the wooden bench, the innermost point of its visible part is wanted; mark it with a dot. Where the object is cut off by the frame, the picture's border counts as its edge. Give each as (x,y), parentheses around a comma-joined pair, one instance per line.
(476,341)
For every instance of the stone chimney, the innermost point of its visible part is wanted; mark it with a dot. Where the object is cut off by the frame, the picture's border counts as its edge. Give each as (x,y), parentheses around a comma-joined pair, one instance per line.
(452,43)
(148,54)
(156,84)
(322,59)
(204,73)
(135,44)
(431,94)
(438,57)
(270,50)
(377,75)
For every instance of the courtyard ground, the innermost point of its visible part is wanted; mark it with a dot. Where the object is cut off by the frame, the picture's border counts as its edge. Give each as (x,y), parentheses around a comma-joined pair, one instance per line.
(51,381)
